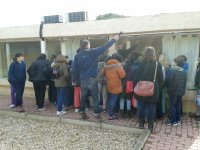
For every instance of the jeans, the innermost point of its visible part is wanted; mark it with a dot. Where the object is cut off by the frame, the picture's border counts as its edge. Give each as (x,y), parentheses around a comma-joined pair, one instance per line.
(164,91)
(39,88)
(146,108)
(89,86)
(103,95)
(112,104)
(61,97)
(19,88)
(175,108)
(128,104)
(13,94)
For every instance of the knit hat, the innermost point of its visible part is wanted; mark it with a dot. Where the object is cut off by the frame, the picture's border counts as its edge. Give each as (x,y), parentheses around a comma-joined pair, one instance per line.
(18,54)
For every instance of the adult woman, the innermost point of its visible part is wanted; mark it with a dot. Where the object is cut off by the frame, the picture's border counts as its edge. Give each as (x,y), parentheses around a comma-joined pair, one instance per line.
(146,106)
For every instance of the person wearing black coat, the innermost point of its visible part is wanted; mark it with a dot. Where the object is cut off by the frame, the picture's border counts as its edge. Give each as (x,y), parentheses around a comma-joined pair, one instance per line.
(176,83)
(40,73)
(145,72)
(52,93)
(130,67)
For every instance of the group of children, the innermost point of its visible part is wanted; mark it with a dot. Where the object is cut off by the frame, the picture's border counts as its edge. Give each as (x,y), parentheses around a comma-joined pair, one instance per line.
(115,76)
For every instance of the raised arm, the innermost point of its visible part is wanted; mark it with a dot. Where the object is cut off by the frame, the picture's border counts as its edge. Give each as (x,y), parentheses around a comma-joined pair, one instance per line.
(99,50)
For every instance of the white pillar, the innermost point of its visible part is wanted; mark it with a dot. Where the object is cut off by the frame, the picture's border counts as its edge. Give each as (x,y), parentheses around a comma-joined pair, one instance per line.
(8,54)
(43,47)
(128,44)
(112,49)
(63,48)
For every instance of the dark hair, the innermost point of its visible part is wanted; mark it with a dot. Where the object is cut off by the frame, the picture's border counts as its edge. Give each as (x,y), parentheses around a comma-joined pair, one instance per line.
(108,58)
(133,58)
(149,54)
(179,60)
(53,57)
(117,57)
(84,44)
(102,57)
(14,59)
(184,57)
(18,54)
(42,57)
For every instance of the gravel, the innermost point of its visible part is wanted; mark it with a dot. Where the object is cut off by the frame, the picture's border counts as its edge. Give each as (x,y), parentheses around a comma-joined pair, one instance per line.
(23,134)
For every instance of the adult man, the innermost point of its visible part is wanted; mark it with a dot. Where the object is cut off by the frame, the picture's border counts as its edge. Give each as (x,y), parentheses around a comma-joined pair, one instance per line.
(85,66)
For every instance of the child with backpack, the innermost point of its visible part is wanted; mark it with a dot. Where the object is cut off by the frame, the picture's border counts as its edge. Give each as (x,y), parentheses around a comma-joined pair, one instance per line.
(61,78)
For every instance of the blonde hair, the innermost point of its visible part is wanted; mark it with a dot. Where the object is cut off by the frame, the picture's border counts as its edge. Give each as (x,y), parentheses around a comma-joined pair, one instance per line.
(163,60)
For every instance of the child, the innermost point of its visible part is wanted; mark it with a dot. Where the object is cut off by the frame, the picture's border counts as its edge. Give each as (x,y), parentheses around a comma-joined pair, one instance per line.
(131,65)
(17,77)
(113,72)
(12,89)
(61,82)
(176,83)
(197,86)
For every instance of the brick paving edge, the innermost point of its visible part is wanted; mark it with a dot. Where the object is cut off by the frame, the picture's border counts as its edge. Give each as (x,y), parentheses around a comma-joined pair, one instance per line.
(144,134)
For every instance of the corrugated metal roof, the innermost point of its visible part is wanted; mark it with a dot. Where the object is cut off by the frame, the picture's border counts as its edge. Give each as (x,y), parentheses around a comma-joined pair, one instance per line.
(187,21)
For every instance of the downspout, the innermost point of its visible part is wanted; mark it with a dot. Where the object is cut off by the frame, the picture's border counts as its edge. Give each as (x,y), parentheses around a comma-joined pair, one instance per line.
(41,30)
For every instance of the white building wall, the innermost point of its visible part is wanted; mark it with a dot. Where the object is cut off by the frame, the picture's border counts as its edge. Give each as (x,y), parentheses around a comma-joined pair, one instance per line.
(188,46)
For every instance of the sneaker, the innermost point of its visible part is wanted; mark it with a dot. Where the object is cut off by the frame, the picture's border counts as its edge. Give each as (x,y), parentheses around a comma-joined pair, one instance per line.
(96,115)
(12,106)
(43,108)
(179,122)
(174,124)
(20,109)
(61,112)
(111,118)
(76,110)
(169,123)
(115,117)
(84,116)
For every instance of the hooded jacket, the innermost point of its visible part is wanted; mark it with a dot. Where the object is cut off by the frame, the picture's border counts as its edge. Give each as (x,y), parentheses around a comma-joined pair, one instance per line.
(114,72)
(176,81)
(63,80)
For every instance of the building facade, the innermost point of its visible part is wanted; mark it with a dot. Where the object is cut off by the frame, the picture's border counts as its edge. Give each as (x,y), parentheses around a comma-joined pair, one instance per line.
(171,34)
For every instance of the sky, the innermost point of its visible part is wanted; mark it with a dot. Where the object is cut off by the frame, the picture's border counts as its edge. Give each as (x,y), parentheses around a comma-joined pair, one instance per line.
(29,12)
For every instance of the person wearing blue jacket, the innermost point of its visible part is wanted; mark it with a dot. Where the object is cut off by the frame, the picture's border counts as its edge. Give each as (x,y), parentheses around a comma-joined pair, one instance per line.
(86,66)
(176,84)
(17,77)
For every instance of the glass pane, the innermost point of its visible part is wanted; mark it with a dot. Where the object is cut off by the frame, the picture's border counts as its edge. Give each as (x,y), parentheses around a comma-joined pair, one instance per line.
(31,50)
(3,61)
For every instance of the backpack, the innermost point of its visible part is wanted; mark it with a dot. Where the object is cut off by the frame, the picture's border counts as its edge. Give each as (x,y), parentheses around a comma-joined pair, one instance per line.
(56,73)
